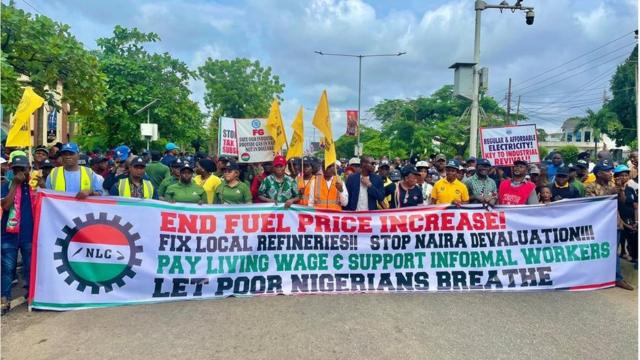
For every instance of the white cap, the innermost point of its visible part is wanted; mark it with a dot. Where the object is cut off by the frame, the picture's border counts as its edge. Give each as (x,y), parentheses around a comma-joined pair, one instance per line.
(354,161)
(338,163)
(422,164)
(2,160)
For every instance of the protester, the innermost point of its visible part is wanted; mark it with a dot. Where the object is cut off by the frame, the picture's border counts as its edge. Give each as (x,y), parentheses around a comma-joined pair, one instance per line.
(349,170)
(174,178)
(632,164)
(556,163)
(185,190)
(16,228)
(355,164)
(157,171)
(120,170)
(329,192)
(440,162)
(450,190)
(266,170)
(232,190)
(544,195)
(39,179)
(365,188)
(73,178)
(205,178)
(134,186)
(427,188)
(100,165)
(170,154)
(383,170)
(561,188)
(278,187)
(407,193)
(517,190)
(39,155)
(573,179)
(628,213)
(482,189)
(306,181)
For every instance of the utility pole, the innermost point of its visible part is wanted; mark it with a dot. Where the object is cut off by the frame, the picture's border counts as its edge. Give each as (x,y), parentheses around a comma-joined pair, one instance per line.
(509,103)
(479,7)
(518,110)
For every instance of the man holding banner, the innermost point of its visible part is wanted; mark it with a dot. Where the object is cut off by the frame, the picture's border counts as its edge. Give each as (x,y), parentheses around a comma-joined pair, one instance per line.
(73,178)
(278,188)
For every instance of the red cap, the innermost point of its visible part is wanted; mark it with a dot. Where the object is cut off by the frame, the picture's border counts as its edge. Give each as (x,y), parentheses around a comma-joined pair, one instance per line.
(279,160)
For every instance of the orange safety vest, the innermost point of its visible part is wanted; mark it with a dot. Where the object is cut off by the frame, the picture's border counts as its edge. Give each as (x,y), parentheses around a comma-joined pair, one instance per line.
(305,191)
(326,197)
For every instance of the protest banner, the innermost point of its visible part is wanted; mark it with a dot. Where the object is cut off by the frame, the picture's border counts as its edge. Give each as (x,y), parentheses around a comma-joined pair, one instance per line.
(106,251)
(504,145)
(227,137)
(254,142)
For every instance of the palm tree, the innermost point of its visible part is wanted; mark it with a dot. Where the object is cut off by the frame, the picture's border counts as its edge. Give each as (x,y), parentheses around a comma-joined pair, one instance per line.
(602,122)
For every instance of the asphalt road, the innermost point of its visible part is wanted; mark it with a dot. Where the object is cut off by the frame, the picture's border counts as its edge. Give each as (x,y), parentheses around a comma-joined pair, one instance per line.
(599,324)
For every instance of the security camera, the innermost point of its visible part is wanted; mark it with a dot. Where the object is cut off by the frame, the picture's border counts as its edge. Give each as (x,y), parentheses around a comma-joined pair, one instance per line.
(529,17)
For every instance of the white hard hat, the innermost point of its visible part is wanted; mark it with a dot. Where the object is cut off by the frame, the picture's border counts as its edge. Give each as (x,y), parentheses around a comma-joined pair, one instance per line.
(422,164)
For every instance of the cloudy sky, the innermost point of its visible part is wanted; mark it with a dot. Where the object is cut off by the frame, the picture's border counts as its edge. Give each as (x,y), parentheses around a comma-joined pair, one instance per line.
(575,45)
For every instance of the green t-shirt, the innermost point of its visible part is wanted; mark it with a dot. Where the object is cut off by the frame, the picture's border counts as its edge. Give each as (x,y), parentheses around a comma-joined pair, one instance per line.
(157,172)
(162,189)
(190,193)
(239,194)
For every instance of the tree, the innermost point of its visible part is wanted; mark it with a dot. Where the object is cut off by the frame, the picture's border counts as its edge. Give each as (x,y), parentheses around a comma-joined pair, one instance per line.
(372,139)
(431,124)
(136,77)
(239,87)
(569,153)
(542,134)
(603,121)
(623,103)
(46,52)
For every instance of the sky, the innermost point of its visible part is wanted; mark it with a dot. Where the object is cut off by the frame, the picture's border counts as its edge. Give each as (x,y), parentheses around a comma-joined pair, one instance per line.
(559,66)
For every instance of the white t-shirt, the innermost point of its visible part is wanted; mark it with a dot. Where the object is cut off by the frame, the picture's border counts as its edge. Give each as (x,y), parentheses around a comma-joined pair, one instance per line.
(363,198)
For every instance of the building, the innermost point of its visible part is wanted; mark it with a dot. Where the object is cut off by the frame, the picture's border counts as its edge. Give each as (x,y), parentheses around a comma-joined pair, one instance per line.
(583,139)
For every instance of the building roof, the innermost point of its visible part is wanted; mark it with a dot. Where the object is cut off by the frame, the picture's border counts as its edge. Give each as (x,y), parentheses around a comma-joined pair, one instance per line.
(570,124)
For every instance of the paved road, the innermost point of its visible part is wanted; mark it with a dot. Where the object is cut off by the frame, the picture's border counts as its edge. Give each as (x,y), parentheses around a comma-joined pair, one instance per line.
(544,325)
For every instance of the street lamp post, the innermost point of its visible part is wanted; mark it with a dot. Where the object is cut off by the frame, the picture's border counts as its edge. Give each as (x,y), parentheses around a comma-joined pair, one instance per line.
(359,56)
(479,7)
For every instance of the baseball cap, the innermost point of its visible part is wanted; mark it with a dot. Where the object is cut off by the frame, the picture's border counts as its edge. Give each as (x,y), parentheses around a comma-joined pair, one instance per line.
(98,159)
(186,165)
(384,163)
(483,162)
(621,168)
(409,169)
(354,161)
(603,165)
(41,148)
(338,163)
(453,163)
(20,161)
(138,161)
(422,164)
(472,158)
(279,160)
(122,152)
(16,153)
(534,169)
(46,163)
(582,164)
(584,155)
(70,147)
(440,157)
(520,162)
(171,146)
(562,171)
(233,166)
(207,164)
(176,163)
(395,175)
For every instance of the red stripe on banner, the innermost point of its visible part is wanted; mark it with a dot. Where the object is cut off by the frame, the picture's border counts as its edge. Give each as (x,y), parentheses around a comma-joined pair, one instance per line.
(593,286)
(90,199)
(34,248)
(100,234)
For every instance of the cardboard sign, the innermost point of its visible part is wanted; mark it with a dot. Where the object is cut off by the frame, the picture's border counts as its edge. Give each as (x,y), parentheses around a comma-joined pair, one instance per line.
(504,145)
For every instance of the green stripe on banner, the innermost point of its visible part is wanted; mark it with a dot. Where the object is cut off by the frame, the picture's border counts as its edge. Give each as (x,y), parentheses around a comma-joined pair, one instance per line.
(96,271)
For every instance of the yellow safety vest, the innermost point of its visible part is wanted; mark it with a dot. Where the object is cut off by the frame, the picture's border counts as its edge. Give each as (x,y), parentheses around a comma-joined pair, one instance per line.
(124,189)
(58,182)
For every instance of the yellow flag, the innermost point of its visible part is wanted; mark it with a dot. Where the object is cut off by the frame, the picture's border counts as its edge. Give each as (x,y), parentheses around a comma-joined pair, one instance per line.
(322,121)
(275,127)
(20,133)
(296,148)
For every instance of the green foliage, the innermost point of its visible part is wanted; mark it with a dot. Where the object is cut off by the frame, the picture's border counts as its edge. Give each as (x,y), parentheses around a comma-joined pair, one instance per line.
(603,121)
(543,152)
(623,104)
(372,139)
(432,124)
(542,134)
(46,52)
(569,153)
(136,77)
(239,87)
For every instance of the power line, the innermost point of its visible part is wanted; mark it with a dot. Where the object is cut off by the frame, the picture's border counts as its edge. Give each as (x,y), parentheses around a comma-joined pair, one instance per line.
(33,7)
(577,67)
(576,58)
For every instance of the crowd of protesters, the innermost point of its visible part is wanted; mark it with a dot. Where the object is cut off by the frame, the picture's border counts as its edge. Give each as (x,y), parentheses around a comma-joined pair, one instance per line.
(359,184)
